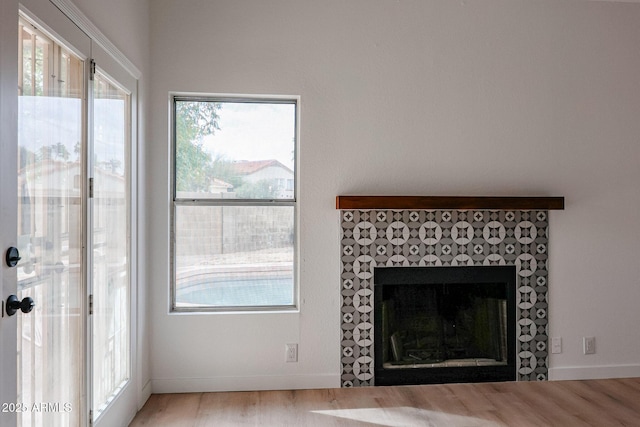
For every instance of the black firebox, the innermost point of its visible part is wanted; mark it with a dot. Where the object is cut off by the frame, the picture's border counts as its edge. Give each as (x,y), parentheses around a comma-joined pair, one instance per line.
(438,325)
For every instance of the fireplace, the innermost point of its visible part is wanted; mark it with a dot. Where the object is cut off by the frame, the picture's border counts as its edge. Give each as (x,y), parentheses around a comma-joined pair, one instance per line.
(444,324)
(378,238)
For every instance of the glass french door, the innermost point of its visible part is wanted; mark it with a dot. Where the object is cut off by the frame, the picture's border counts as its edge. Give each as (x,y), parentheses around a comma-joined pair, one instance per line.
(110,235)
(51,206)
(74,230)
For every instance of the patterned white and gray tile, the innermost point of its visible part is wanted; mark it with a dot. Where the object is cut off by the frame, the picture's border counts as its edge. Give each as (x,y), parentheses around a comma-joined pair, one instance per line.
(374,238)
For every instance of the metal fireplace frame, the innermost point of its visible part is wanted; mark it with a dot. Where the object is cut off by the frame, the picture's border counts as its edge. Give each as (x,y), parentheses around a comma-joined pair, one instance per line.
(392,276)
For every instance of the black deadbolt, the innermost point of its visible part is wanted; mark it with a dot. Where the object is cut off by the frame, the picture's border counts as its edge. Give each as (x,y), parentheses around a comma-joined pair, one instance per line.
(12,257)
(13,304)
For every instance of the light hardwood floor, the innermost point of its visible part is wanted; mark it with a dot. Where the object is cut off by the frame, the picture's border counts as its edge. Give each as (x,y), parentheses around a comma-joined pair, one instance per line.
(601,403)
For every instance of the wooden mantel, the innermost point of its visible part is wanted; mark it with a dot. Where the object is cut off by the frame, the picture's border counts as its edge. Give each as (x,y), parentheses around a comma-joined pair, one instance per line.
(449,202)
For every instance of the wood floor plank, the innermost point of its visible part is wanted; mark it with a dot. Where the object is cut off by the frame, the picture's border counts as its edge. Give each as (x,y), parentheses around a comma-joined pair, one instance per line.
(551,410)
(610,402)
(218,409)
(510,406)
(471,398)
(624,391)
(175,410)
(601,408)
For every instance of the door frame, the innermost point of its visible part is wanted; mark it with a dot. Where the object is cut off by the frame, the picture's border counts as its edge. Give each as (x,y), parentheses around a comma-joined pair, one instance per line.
(118,411)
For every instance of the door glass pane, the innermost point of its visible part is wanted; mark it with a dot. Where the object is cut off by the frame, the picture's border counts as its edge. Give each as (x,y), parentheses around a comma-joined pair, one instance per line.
(110,222)
(50,138)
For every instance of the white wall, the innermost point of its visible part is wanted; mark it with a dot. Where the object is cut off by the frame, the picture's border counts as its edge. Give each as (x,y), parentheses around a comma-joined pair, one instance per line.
(420,98)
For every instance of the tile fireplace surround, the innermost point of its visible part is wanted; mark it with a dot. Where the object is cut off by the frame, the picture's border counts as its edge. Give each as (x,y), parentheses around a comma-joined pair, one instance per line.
(408,237)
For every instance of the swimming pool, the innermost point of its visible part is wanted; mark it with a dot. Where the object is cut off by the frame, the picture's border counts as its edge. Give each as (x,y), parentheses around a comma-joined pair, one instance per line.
(228,291)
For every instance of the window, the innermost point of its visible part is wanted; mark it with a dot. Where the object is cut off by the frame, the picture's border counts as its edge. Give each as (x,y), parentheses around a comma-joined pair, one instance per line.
(234,241)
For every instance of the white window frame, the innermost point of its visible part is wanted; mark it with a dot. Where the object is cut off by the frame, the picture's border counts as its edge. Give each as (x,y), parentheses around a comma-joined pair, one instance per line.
(175,201)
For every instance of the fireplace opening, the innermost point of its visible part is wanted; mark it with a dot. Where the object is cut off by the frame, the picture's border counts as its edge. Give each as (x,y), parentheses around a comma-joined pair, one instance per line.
(444,324)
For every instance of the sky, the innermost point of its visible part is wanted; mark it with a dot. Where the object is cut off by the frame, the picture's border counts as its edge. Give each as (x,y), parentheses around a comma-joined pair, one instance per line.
(254,131)
(45,121)
(248,131)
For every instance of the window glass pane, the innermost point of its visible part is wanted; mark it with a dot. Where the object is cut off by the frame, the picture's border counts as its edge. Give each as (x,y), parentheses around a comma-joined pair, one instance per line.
(239,150)
(234,256)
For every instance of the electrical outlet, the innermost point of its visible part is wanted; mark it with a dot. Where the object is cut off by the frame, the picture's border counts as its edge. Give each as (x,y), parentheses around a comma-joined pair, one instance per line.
(291,353)
(589,345)
(556,345)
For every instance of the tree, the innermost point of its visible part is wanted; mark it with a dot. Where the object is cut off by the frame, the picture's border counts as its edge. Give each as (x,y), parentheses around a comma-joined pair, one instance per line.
(26,157)
(263,189)
(194,166)
(53,151)
(223,169)
(31,75)
(59,150)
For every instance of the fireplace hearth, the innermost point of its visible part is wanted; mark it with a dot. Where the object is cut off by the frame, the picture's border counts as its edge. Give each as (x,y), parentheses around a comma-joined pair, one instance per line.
(444,324)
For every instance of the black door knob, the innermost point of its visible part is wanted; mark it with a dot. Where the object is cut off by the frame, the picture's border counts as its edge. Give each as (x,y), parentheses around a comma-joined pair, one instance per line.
(12,257)
(14,304)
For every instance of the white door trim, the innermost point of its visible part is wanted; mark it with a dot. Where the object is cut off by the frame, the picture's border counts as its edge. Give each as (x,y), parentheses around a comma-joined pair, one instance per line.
(72,11)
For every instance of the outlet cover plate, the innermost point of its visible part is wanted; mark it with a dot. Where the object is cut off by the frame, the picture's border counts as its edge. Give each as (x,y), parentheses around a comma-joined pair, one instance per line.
(589,344)
(291,353)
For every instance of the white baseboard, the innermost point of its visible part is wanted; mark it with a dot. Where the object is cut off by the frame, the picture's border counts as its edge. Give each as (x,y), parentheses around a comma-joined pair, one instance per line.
(252,383)
(144,394)
(594,372)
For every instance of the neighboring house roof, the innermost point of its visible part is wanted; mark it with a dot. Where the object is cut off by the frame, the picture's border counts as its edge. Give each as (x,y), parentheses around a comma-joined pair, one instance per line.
(248,167)
(57,178)
(51,166)
(48,166)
